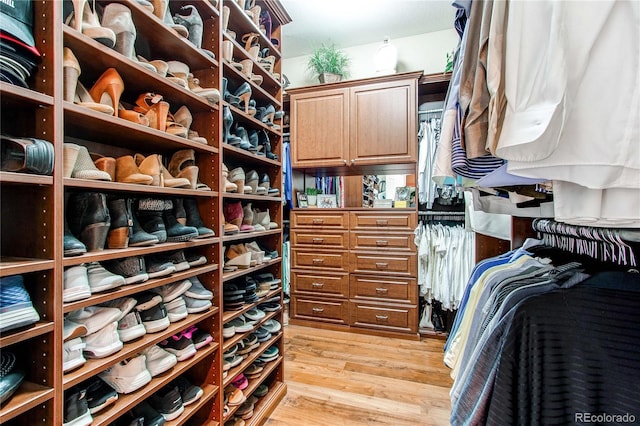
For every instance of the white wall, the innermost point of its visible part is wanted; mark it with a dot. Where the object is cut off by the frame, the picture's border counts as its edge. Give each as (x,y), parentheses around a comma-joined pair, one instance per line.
(425,52)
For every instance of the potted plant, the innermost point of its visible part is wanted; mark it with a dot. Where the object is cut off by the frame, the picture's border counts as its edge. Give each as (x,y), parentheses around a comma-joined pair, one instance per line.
(329,63)
(312,196)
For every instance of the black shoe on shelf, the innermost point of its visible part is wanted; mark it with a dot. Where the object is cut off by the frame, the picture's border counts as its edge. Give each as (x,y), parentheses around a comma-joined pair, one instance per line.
(99,395)
(168,402)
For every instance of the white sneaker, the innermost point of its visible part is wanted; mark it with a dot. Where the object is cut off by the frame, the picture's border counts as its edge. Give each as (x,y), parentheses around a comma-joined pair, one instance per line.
(95,317)
(125,304)
(73,354)
(103,343)
(196,305)
(198,291)
(170,291)
(158,360)
(177,309)
(131,327)
(71,330)
(100,279)
(128,375)
(76,284)
(228,330)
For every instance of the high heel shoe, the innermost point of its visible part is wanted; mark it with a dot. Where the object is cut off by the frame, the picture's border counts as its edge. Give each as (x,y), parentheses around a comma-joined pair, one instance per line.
(251,179)
(227,51)
(233,213)
(241,132)
(127,172)
(185,119)
(228,186)
(72,71)
(78,164)
(182,165)
(154,108)
(243,93)
(227,136)
(117,17)
(133,116)
(160,66)
(225,17)
(247,67)
(161,10)
(108,89)
(263,138)
(251,44)
(178,72)
(84,99)
(247,219)
(174,128)
(86,21)
(228,97)
(88,218)
(209,93)
(192,22)
(237,176)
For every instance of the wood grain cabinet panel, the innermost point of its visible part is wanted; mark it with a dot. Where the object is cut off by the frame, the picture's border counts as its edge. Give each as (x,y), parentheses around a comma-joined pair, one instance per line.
(383,221)
(387,289)
(325,284)
(320,220)
(381,242)
(397,264)
(388,317)
(325,240)
(331,311)
(320,260)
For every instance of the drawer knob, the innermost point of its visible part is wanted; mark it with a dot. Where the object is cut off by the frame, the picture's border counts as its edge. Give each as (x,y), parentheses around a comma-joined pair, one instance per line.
(318,240)
(317,310)
(317,285)
(382,290)
(318,261)
(318,221)
(382,265)
(382,243)
(382,318)
(382,222)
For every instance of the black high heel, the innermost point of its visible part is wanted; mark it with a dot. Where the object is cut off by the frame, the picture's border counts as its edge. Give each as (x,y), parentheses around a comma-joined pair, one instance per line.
(227,121)
(263,139)
(243,93)
(228,97)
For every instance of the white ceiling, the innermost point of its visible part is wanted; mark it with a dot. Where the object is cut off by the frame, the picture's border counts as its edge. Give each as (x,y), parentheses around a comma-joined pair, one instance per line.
(353,22)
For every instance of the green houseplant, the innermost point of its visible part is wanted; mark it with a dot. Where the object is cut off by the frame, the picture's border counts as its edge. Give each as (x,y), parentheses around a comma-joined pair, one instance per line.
(329,63)
(312,196)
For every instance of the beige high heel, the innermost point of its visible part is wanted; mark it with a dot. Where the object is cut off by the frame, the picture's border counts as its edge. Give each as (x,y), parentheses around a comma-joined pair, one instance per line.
(211,94)
(86,21)
(154,108)
(228,186)
(117,17)
(182,165)
(178,72)
(72,71)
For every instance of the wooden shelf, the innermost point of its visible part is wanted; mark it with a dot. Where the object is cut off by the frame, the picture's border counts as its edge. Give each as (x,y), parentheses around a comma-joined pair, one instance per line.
(242,24)
(252,356)
(245,118)
(128,290)
(22,265)
(28,396)
(25,179)
(101,185)
(229,315)
(22,334)
(95,366)
(231,341)
(106,254)
(243,155)
(258,91)
(267,404)
(234,196)
(227,276)
(80,120)
(127,401)
(10,93)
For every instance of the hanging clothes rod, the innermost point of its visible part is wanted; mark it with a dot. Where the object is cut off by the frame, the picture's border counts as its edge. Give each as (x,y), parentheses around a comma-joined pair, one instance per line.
(437,213)
(550,226)
(431,111)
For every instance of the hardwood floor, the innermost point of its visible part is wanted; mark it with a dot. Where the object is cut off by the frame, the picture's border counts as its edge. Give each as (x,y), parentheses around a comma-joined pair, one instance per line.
(336,378)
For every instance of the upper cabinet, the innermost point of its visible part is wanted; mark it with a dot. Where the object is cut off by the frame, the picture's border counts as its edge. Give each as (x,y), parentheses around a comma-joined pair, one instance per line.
(356,123)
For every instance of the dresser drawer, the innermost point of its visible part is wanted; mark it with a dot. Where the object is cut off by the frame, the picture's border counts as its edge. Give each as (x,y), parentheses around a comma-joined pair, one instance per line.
(387,317)
(325,239)
(399,264)
(325,284)
(391,289)
(320,260)
(380,221)
(336,312)
(382,241)
(320,219)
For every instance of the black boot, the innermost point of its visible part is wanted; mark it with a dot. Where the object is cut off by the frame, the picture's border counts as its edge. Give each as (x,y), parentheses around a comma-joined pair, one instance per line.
(121,223)
(88,218)
(176,232)
(194,219)
(227,121)
(150,215)
(72,245)
(263,138)
(138,237)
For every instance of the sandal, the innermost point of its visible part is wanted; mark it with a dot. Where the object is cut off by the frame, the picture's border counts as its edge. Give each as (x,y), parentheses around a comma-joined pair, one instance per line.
(154,108)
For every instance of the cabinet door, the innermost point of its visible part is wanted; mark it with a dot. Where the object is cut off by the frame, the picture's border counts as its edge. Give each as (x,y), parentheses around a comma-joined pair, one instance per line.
(383,123)
(320,128)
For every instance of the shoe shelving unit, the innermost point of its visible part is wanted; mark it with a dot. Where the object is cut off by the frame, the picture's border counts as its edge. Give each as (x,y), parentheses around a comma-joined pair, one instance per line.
(33,210)
(268,92)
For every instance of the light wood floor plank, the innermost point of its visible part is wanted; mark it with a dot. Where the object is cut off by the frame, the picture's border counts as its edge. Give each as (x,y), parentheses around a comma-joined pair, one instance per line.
(337,378)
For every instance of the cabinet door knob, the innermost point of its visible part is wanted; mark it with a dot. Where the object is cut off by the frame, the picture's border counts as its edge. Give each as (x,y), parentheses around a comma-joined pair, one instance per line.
(382,290)
(382,243)
(317,285)
(317,261)
(353,161)
(382,317)
(318,310)
(382,222)
(382,265)
(318,240)
(345,162)
(318,221)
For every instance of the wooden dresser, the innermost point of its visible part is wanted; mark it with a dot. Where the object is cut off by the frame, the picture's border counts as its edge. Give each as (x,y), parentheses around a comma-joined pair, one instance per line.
(355,269)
